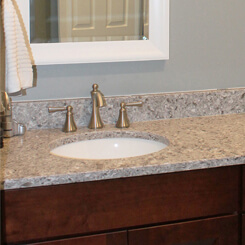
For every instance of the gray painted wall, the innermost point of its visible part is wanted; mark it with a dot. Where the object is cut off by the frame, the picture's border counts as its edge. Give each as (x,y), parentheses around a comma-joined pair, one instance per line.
(207,51)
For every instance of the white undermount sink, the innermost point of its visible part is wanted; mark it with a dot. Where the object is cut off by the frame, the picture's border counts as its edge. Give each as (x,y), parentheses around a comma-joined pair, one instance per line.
(108,148)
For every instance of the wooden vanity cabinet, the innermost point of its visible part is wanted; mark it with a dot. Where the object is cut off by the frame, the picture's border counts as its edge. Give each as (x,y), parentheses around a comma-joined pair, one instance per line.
(75,211)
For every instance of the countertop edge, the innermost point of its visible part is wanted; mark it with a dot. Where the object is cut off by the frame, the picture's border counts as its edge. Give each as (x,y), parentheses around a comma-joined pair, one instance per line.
(121,173)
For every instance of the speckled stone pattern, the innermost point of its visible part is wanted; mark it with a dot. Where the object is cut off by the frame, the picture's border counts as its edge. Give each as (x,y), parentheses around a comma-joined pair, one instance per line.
(193,143)
(156,106)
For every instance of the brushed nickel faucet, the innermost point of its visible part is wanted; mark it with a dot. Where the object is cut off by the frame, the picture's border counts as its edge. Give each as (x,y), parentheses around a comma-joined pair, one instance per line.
(70,125)
(123,121)
(10,127)
(98,101)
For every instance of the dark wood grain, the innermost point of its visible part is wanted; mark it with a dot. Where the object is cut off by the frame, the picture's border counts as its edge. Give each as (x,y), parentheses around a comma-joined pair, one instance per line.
(116,238)
(82,208)
(215,231)
(243,189)
(243,229)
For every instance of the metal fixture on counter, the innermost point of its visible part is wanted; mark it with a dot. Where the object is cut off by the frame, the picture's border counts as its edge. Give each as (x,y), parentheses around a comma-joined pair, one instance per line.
(98,101)
(10,127)
(70,125)
(123,121)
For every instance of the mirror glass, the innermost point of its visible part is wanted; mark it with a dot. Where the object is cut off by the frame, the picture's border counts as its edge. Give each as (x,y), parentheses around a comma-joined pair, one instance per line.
(58,21)
(49,47)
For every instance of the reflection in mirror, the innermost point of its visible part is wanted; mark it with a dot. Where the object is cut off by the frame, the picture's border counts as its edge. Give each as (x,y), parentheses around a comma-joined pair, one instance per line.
(53,21)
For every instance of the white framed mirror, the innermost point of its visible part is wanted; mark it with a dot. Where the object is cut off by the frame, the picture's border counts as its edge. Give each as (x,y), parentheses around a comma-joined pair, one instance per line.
(155,48)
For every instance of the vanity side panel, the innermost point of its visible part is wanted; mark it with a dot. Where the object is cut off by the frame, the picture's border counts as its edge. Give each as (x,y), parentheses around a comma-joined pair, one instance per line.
(243,188)
(83,208)
(243,229)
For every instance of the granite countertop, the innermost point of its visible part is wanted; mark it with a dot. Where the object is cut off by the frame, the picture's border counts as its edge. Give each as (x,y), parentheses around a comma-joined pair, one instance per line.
(194,143)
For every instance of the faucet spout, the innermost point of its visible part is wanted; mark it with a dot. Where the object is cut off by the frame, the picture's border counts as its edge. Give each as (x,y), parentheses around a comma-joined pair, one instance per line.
(98,100)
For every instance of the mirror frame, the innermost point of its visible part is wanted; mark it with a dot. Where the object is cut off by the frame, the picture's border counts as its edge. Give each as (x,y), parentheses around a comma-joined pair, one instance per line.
(156,48)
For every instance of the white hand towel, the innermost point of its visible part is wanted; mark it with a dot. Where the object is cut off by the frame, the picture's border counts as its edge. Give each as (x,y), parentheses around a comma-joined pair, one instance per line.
(19,73)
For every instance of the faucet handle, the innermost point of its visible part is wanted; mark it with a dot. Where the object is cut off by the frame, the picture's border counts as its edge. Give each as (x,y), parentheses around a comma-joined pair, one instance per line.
(70,125)
(123,121)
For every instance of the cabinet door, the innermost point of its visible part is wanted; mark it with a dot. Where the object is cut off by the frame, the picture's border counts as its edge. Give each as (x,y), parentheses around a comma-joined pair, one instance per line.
(116,238)
(213,231)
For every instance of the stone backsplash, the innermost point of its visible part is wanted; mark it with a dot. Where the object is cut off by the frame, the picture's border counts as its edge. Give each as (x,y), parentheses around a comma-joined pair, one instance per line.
(34,114)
